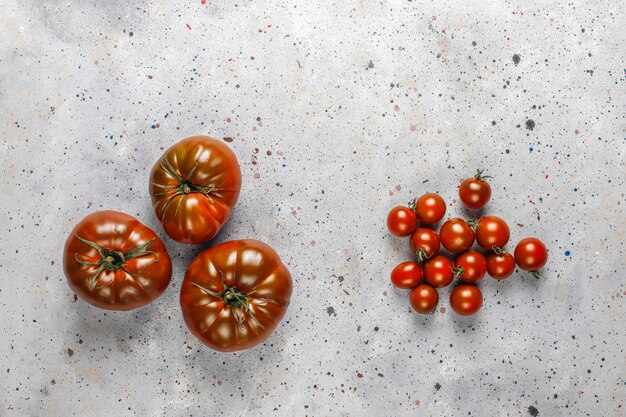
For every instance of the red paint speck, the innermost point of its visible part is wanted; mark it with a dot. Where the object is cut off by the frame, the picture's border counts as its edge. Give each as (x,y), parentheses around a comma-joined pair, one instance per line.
(413,128)
(359,375)
(521,13)
(188,27)
(89,203)
(442,310)
(228,119)
(531,202)
(203,1)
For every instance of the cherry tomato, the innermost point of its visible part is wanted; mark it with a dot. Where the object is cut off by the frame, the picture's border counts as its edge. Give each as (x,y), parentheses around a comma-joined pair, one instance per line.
(114,262)
(492,231)
(456,235)
(425,243)
(475,192)
(438,271)
(470,267)
(531,254)
(466,300)
(500,264)
(235,294)
(430,208)
(424,299)
(406,275)
(401,221)
(194,187)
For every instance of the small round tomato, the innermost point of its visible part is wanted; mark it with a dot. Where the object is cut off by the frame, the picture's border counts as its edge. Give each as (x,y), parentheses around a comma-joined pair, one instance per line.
(492,231)
(401,221)
(424,299)
(466,300)
(406,275)
(114,262)
(430,208)
(475,192)
(500,264)
(438,271)
(470,267)
(424,243)
(456,235)
(531,254)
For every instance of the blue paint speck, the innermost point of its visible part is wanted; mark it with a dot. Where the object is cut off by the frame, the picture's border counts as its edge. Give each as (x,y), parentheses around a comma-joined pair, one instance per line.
(575,189)
(166,114)
(531,149)
(567,253)
(153,126)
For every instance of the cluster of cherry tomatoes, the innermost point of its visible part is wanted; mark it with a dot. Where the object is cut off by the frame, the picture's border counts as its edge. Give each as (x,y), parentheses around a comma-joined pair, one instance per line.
(434,270)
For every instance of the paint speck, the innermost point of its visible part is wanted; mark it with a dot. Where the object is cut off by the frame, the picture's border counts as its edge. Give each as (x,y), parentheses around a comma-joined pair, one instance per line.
(516,59)
(533,411)
(413,128)
(70,352)
(567,253)
(203,1)
(188,27)
(575,189)
(437,386)
(228,139)
(531,149)
(153,126)
(331,311)
(530,124)
(417,403)
(370,65)
(359,375)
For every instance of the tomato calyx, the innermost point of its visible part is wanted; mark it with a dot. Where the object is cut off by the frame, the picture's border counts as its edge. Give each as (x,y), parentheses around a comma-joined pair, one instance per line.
(233,298)
(479,175)
(472,224)
(412,204)
(113,260)
(421,255)
(498,250)
(458,272)
(537,274)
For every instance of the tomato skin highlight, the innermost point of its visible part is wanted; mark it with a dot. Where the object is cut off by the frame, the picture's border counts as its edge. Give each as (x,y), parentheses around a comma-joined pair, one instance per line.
(456,235)
(472,266)
(114,262)
(430,208)
(438,271)
(194,187)
(235,294)
(500,266)
(424,299)
(531,254)
(406,275)
(425,243)
(474,192)
(401,221)
(466,300)
(492,231)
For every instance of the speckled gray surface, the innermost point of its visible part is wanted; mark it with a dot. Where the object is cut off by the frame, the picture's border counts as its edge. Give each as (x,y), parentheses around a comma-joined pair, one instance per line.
(338,110)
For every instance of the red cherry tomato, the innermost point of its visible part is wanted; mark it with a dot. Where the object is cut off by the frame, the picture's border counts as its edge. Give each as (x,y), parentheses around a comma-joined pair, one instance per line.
(492,231)
(466,300)
(401,221)
(456,235)
(430,208)
(475,192)
(531,254)
(438,271)
(424,299)
(424,243)
(470,267)
(406,275)
(500,264)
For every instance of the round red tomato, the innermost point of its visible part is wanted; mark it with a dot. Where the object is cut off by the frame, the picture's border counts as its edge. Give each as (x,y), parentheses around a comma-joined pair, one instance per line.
(406,275)
(531,254)
(470,267)
(475,192)
(235,294)
(114,262)
(466,300)
(492,231)
(456,235)
(424,243)
(500,265)
(430,208)
(401,221)
(424,299)
(194,188)
(438,271)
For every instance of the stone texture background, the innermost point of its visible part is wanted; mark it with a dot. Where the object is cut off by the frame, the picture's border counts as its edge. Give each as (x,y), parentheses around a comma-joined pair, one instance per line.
(338,110)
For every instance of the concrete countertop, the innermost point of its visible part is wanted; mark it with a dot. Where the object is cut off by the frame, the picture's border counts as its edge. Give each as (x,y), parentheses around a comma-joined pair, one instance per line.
(337,110)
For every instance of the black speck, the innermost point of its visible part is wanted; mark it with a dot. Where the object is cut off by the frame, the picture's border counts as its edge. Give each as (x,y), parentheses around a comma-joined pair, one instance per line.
(493,123)
(474,43)
(533,411)
(516,59)
(331,311)
(437,386)
(340,278)
(530,124)
(370,65)
(130,34)
(53,382)
(70,352)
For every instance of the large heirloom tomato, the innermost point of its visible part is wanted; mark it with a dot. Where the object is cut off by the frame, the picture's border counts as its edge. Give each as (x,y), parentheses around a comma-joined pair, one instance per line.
(114,262)
(235,294)
(194,187)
